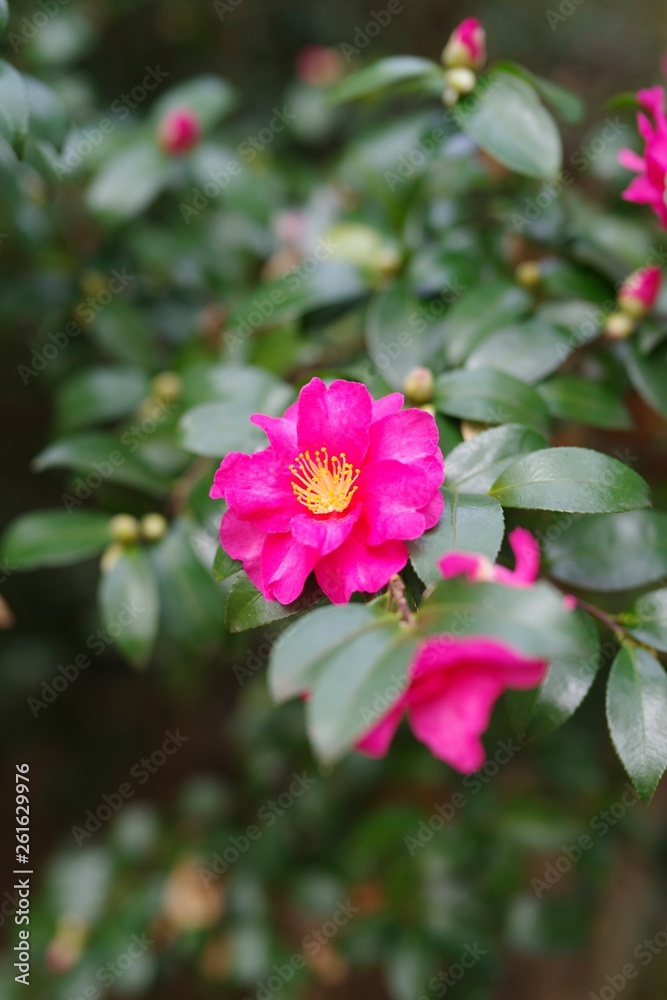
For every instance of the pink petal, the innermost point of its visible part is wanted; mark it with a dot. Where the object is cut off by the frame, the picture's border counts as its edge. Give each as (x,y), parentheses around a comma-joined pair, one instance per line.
(640,190)
(526,551)
(286,564)
(391,495)
(258,487)
(405,437)
(468,564)
(631,160)
(327,532)
(280,432)
(386,405)
(378,739)
(358,567)
(338,418)
(243,540)
(433,510)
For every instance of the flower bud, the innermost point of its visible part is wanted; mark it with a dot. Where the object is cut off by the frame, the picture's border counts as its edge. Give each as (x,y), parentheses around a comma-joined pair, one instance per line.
(153,527)
(639,291)
(528,274)
(419,385)
(319,65)
(461,81)
(466,46)
(471,428)
(167,386)
(619,325)
(124,528)
(179,131)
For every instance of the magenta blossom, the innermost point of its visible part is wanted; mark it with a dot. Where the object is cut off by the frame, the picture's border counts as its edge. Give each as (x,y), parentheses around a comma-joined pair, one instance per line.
(345,481)
(466,46)
(649,187)
(640,290)
(453,684)
(478,568)
(179,130)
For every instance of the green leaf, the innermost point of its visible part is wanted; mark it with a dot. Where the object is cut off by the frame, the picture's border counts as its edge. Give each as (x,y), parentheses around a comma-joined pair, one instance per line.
(529,351)
(394,347)
(568,105)
(570,479)
(49,120)
(384,74)
(355,686)
(648,374)
(610,552)
(99,395)
(14,107)
(646,620)
(508,121)
(470,523)
(129,604)
(534,619)
(210,97)
(247,608)
(100,455)
(4,15)
(571,398)
(129,181)
(192,605)
(222,425)
(489,396)
(300,291)
(479,311)
(568,681)
(224,566)
(297,656)
(54,538)
(474,465)
(636,713)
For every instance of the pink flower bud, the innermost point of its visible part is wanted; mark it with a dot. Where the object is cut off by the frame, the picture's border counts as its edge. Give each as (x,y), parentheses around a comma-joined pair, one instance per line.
(319,66)
(639,292)
(179,130)
(466,46)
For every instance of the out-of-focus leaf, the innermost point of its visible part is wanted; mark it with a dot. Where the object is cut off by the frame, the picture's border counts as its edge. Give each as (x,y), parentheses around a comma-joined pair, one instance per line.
(571,398)
(480,310)
(53,538)
(129,604)
(489,396)
(129,181)
(646,620)
(394,346)
(568,105)
(103,456)
(14,107)
(384,74)
(474,465)
(98,395)
(529,351)
(210,97)
(48,116)
(648,373)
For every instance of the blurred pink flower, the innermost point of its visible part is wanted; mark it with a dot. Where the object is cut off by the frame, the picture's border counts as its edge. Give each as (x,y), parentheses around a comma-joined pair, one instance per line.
(479,568)
(179,130)
(345,481)
(640,290)
(466,46)
(319,65)
(649,187)
(453,684)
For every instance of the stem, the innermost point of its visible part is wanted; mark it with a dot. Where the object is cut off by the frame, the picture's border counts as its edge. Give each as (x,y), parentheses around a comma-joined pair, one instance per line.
(608,619)
(397,594)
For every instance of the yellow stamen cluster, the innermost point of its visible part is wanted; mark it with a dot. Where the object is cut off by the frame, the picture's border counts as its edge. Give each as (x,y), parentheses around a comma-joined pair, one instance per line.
(324,484)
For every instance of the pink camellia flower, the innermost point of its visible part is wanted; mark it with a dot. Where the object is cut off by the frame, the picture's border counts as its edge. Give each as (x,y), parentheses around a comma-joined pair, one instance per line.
(478,568)
(453,684)
(649,187)
(319,66)
(179,130)
(639,292)
(345,481)
(466,46)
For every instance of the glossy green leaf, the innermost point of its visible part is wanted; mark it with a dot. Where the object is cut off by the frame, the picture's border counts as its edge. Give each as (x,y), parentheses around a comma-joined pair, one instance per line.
(385,74)
(529,351)
(471,522)
(610,552)
(394,346)
(98,395)
(480,310)
(129,604)
(247,608)
(636,713)
(224,566)
(129,181)
(489,396)
(571,398)
(570,479)
(296,657)
(648,373)
(568,105)
(48,115)
(474,465)
(509,122)
(53,538)
(102,457)
(647,619)
(14,107)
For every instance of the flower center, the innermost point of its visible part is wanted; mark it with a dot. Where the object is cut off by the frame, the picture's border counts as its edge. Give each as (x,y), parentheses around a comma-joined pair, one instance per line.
(324,484)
